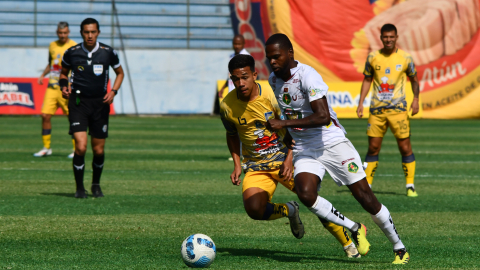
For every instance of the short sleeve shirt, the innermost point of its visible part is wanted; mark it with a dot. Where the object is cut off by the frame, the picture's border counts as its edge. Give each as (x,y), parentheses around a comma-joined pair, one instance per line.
(90,69)
(55,54)
(389,74)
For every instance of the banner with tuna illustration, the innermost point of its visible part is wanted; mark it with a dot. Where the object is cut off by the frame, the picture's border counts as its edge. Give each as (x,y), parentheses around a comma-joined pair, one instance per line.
(335,37)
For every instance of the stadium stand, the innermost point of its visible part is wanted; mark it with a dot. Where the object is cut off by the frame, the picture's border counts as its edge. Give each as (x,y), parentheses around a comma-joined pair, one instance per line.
(157,24)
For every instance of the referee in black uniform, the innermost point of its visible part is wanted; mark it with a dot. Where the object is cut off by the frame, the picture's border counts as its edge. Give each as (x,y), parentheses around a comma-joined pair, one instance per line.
(89,102)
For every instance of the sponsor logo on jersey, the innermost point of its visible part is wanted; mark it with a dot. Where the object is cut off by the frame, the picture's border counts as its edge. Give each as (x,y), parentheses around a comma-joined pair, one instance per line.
(269,115)
(58,56)
(98,69)
(387,71)
(352,167)
(104,128)
(377,67)
(266,144)
(313,92)
(19,94)
(295,80)
(80,68)
(345,161)
(75,123)
(398,67)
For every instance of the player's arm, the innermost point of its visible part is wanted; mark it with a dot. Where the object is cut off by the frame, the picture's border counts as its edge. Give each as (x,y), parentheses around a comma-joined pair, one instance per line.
(233,142)
(412,75)
(367,82)
(320,117)
(108,98)
(63,82)
(44,73)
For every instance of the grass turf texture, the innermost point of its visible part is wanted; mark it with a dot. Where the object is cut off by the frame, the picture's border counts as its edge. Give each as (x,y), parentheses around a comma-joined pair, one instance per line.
(166,178)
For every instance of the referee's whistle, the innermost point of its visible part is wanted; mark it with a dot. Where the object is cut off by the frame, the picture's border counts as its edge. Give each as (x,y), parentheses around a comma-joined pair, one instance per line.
(78,96)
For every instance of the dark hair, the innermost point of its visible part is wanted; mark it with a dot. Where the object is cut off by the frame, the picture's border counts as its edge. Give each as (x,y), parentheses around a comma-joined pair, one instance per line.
(241,61)
(387,28)
(89,21)
(280,39)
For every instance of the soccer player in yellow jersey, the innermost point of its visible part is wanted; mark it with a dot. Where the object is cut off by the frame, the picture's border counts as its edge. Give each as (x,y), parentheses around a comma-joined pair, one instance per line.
(267,159)
(53,96)
(388,69)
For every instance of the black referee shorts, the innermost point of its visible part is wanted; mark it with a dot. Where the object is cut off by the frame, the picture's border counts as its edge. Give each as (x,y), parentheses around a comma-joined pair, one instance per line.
(91,113)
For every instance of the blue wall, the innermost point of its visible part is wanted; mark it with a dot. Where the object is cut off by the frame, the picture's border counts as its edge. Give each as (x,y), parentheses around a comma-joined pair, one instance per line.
(164,81)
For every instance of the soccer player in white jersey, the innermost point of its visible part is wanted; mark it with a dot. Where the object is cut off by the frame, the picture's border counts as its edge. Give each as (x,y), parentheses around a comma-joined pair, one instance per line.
(238,45)
(321,145)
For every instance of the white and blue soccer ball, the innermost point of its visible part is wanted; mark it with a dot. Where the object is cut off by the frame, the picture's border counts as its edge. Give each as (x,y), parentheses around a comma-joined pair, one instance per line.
(198,251)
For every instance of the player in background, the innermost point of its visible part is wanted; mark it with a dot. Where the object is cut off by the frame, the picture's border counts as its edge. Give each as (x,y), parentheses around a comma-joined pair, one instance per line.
(388,69)
(267,161)
(238,44)
(89,102)
(321,145)
(53,96)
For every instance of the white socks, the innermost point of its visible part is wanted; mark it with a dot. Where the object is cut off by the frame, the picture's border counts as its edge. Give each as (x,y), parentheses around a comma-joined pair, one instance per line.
(410,185)
(385,222)
(324,209)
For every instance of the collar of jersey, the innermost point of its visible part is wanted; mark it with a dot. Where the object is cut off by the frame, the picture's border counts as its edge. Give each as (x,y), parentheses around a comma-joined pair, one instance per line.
(259,94)
(94,49)
(292,71)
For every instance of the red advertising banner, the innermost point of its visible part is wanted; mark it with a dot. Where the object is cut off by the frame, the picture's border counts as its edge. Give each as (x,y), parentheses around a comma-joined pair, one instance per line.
(25,96)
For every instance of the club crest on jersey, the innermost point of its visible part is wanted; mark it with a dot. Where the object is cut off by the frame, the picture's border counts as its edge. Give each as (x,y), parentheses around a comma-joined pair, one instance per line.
(80,68)
(352,167)
(287,99)
(387,71)
(398,67)
(269,115)
(98,69)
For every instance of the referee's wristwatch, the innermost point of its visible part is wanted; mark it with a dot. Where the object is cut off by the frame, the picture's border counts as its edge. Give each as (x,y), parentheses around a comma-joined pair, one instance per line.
(115,91)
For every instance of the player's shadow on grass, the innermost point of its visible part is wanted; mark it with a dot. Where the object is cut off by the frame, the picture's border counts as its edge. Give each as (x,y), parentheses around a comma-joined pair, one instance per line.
(374,192)
(70,195)
(276,255)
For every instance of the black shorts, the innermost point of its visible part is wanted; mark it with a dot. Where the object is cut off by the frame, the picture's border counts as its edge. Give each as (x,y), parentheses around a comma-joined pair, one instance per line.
(91,113)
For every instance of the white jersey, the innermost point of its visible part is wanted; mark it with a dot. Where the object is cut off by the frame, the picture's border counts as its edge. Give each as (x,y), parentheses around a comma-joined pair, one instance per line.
(294,97)
(231,86)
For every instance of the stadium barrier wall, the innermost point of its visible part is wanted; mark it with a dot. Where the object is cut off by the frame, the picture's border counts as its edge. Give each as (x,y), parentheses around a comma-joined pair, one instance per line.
(343,97)
(444,42)
(164,81)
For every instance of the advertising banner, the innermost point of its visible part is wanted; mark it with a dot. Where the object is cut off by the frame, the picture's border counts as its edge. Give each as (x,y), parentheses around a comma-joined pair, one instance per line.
(336,36)
(342,97)
(25,96)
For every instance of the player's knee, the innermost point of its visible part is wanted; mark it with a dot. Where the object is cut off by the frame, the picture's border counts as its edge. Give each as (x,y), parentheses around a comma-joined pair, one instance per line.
(98,151)
(80,148)
(373,150)
(255,211)
(306,196)
(46,117)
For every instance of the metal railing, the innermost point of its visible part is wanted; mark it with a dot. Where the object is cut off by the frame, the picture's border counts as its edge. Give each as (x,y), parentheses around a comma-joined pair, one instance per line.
(188,24)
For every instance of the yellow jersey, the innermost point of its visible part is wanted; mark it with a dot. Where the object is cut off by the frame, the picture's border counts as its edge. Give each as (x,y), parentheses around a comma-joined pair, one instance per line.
(261,148)
(55,55)
(389,74)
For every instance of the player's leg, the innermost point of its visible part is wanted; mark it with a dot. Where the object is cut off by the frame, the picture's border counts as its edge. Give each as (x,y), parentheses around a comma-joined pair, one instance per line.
(48,109)
(79,162)
(353,176)
(400,126)
(258,188)
(98,147)
(63,103)
(377,126)
(99,132)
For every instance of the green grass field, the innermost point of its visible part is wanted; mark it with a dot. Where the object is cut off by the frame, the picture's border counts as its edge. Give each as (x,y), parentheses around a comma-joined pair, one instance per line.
(166,178)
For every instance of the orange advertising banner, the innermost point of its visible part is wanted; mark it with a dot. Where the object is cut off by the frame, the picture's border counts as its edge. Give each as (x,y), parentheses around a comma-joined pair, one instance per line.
(336,36)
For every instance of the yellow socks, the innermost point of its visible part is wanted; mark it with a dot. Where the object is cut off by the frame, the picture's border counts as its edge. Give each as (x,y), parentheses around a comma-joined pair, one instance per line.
(47,138)
(408,164)
(337,231)
(275,211)
(372,162)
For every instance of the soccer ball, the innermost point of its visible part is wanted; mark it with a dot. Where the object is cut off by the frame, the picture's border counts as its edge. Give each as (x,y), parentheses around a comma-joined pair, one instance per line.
(198,251)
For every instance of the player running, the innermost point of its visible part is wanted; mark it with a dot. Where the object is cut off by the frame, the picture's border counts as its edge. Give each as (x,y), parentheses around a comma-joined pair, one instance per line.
(89,102)
(388,69)
(53,96)
(267,161)
(321,145)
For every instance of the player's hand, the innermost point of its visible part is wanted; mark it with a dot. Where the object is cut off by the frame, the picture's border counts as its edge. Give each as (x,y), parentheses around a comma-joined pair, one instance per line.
(40,80)
(415,107)
(360,110)
(235,176)
(286,169)
(108,98)
(66,92)
(275,124)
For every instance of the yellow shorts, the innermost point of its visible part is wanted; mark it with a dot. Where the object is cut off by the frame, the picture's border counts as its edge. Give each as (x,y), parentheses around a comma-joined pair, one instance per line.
(266,180)
(398,122)
(52,100)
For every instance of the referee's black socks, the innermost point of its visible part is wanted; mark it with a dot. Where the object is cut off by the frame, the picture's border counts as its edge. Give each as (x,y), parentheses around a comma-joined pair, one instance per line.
(97,166)
(79,170)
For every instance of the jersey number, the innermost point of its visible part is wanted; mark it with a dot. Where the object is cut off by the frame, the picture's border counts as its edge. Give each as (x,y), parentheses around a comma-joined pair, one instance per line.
(242,121)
